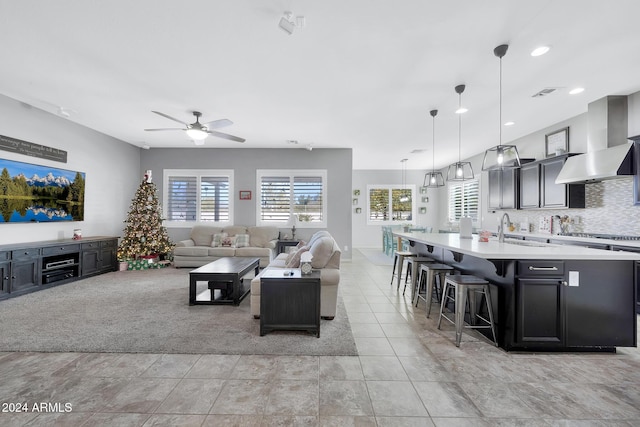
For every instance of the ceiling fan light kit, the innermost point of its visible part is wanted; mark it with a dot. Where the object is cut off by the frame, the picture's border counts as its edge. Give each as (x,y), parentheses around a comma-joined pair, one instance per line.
(200,131)
(501,156)
(460,171)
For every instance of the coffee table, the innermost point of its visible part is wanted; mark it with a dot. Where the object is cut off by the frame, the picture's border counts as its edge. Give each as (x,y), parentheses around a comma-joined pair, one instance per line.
(226,275)
(289,301)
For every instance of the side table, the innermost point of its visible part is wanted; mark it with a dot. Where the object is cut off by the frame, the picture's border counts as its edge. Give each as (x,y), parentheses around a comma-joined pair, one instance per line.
(281,244)
(289,302)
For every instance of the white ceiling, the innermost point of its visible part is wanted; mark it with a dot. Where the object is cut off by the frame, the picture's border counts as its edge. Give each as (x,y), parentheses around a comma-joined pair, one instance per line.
(361,74)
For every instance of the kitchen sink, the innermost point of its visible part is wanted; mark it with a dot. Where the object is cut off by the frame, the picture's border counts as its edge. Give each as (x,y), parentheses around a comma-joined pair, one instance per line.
(525,243)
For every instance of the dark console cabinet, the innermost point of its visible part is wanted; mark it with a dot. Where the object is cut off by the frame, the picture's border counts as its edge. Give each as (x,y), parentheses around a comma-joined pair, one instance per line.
(29,267)
(98,257)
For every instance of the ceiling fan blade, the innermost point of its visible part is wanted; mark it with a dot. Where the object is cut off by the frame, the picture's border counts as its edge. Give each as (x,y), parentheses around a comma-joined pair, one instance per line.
(226,136)
(170,118)
(217,124)
(165,129)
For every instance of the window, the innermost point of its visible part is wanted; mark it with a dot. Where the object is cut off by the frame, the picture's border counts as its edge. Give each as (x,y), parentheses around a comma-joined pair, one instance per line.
(464,200)
(197,196)
(281,192)
(385,203)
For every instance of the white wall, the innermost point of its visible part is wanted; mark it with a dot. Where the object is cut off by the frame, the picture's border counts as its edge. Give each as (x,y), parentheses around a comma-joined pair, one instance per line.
(112,170)
(365,235)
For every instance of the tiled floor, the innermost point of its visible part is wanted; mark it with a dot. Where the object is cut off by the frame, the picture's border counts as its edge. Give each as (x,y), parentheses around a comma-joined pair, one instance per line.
(407,374)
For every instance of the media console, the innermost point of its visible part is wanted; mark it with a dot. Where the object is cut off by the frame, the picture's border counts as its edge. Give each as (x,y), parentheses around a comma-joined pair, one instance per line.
(30,267)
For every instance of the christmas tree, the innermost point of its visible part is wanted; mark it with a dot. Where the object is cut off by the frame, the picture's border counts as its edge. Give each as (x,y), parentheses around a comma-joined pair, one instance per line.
(144,233)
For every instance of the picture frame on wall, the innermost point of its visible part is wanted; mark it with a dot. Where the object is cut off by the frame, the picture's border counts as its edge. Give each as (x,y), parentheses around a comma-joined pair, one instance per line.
(245,195)
(557,143)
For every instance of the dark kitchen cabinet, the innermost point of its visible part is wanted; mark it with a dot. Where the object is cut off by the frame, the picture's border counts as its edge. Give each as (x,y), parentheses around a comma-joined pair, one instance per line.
(563,304)
(539,294)
(538,188)
(529,186)
(503,189)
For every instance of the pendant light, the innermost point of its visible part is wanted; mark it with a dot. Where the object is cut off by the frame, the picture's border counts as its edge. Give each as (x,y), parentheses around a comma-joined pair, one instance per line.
(433,178)
(404,197)
(501,156)
(460,171)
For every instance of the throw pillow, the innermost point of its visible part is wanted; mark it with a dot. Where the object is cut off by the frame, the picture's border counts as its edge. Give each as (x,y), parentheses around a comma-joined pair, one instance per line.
(217,239)
(294,262)
(242,240)
(228,242)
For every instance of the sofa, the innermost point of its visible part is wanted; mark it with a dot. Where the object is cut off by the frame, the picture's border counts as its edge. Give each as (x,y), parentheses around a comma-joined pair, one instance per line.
(326,257)
(208,243)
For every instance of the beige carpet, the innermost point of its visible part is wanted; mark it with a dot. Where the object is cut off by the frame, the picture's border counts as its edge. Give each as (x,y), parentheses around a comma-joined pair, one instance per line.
(148,311)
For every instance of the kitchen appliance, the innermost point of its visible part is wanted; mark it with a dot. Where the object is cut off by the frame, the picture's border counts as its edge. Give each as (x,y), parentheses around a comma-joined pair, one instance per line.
(609,154)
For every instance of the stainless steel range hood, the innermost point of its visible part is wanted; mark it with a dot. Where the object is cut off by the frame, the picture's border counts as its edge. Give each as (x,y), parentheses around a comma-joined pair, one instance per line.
(609,154)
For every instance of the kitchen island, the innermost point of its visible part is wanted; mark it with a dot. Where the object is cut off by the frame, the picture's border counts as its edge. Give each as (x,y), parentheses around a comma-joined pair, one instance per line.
(546,297)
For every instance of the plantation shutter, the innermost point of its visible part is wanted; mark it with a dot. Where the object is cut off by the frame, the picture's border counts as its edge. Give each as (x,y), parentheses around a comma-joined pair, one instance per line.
(275,198)
(182,198)
(464,200)
(307,196)
(214,198)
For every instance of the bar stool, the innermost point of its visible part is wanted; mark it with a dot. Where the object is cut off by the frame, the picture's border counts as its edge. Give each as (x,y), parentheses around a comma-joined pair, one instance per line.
(413,264)
(428,274)
(462,285)
(398,260)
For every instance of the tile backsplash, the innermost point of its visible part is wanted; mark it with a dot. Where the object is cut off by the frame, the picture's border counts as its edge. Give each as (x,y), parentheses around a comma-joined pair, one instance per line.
(609,210)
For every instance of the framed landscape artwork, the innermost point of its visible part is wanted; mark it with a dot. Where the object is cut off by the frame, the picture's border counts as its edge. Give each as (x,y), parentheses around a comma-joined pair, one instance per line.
(35,193)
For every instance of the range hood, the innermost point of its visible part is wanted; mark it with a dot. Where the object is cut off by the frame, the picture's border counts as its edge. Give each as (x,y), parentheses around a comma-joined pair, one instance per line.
(609,154)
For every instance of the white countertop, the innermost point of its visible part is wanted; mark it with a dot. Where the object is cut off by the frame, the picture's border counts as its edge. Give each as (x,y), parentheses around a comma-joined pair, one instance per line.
(496,250)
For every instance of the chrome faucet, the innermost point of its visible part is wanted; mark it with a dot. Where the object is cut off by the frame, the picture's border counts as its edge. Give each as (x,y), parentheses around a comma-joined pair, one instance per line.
(501,227)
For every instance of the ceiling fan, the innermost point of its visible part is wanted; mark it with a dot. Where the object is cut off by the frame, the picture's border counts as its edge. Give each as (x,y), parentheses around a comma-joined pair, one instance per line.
(199,131)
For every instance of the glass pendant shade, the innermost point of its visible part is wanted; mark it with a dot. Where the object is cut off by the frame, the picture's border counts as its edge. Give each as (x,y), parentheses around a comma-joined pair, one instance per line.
(501,156)
(433,178)
(460,171)
(197,134)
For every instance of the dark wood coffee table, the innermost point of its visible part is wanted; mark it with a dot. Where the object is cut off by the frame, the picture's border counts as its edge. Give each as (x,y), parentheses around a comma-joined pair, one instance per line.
(226,275)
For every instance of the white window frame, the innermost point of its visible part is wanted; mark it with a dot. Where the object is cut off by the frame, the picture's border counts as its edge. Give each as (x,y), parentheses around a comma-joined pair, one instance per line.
(198,174)
(291,173)
(389,221)
(463,184)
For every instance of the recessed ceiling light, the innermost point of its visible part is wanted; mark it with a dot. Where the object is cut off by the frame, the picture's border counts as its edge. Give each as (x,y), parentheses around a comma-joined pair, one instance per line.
(461,110)
(540,51)
(576,91)
(509,123)
(292,141)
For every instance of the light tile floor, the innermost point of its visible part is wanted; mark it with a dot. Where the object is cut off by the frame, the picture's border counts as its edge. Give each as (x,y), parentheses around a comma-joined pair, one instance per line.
(407,373)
